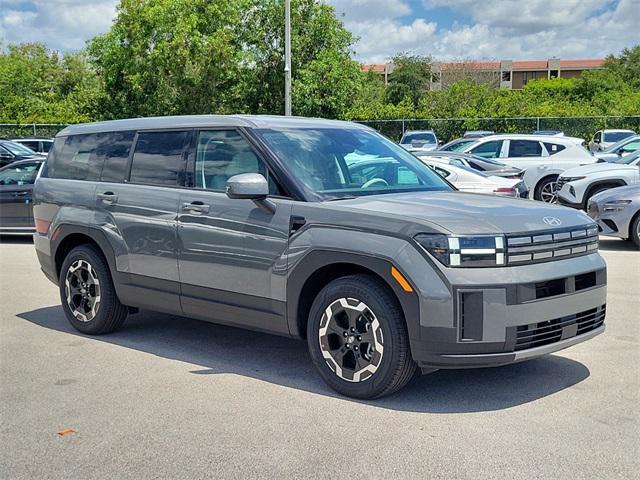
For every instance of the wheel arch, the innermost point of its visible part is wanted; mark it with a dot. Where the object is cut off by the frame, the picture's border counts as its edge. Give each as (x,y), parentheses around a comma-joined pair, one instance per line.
(614,182)
(319,267)
(67,237)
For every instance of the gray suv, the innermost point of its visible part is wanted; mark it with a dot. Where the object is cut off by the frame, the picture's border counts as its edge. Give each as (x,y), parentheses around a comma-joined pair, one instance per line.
(312,229)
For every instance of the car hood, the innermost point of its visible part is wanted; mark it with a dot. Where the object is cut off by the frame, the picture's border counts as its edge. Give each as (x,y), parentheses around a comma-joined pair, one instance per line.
(595,168)
(468,213)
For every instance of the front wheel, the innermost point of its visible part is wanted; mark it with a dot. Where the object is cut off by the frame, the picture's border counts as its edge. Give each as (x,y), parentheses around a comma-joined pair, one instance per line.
(358,339)
(635,231)
(546,191)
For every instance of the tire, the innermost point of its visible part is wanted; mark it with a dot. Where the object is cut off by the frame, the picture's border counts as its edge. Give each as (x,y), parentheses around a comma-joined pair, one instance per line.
(86,275)
(383,364)
(634,233)
(547,186)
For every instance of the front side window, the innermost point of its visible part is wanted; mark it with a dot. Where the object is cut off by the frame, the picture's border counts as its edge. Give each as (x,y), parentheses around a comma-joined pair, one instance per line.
(490,149)
(158,158)
(221,154)
(342,162)
(24,174)
(524,148)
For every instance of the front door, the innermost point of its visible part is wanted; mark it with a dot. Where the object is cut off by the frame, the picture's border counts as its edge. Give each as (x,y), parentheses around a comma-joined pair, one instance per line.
(232,252)
(16,186)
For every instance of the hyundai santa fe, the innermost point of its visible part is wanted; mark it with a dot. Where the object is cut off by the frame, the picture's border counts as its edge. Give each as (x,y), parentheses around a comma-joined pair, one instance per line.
(269,223)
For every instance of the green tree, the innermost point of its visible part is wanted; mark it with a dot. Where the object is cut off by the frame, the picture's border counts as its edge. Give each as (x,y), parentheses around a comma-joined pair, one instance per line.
(40,85)
(409,79)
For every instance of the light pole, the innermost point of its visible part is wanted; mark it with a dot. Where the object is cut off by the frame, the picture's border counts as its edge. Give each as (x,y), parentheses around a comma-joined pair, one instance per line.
(287,57)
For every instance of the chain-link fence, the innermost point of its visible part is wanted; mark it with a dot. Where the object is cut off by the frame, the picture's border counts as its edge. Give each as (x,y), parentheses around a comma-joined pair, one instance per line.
(449,128)
(27,130)
(446,128)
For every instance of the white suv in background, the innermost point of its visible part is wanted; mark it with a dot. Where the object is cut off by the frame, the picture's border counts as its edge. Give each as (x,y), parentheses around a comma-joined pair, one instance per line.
(603,139)
(576,186)
(542,157)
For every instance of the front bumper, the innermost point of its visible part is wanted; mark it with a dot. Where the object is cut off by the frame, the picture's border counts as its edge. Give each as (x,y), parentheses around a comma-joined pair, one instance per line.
(497,316)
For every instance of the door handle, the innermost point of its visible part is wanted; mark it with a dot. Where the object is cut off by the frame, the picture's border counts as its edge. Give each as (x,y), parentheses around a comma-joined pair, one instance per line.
(195,207)
(108,197)
(20,194)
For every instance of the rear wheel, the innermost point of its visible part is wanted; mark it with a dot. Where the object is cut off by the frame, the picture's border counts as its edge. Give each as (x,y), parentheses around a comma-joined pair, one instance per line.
(357,338)
(88,297)
(546,190)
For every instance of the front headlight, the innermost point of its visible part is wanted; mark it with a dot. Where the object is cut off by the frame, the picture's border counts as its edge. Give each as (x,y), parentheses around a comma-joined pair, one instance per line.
(616,205)
(464,251)
(571,179)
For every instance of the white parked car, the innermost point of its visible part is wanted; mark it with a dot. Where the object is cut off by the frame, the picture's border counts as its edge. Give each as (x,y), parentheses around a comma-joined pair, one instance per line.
(468,180)
(620,149)
(603,139)
(577,185)
(542,157)
(38,145)
(419,140)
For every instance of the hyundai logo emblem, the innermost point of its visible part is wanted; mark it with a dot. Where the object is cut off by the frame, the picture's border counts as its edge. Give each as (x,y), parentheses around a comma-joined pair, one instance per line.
(553,221)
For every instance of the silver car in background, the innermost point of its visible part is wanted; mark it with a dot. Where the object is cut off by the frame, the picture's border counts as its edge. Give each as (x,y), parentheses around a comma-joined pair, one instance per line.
(619,150)
(617,212)
(419,140)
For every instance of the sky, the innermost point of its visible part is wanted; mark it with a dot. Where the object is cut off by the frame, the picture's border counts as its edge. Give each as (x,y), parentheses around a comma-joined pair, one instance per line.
(444,29)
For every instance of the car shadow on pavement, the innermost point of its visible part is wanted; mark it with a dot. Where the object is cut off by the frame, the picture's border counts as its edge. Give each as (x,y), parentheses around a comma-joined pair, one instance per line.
(16,239)
(218,349)
(616,245)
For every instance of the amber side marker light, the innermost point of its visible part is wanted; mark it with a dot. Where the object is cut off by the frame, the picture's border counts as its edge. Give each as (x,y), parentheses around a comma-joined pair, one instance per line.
(42,226)
(406,286)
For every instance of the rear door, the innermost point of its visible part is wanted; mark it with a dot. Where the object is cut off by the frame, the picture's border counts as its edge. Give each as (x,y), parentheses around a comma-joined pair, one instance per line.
(140,212)
(232,255)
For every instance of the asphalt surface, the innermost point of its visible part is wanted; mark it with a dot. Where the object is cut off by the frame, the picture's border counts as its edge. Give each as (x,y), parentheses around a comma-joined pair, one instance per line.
(168,397)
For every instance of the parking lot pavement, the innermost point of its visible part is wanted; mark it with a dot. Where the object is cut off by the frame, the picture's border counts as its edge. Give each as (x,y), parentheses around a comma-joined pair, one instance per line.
(168,397)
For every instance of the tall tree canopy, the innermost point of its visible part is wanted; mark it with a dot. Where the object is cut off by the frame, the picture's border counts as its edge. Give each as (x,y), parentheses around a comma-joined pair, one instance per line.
(223,56)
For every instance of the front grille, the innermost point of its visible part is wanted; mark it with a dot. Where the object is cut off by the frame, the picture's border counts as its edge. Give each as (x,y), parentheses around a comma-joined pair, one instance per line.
(559,183)
(551,245)
(551,331)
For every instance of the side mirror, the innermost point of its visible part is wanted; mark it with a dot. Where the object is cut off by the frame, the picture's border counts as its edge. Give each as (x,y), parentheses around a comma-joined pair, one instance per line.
(251,186)
(621,152)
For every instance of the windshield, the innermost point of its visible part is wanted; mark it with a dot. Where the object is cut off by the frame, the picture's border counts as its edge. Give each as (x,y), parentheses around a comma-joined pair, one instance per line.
(458,145)
(632,158)
(625,142)
(335,163)
(17,149)
(616,136)
(422,137)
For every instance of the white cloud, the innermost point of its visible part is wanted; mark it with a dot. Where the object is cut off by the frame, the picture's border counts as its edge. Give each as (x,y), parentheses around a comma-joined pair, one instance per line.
(61,24)
(501,29)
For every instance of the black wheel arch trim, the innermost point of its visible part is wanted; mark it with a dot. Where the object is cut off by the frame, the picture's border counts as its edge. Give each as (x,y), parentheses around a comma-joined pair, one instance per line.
(316,259)
(614,182)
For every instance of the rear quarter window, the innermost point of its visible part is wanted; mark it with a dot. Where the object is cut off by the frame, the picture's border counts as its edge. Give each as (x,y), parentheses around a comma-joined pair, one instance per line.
(553,148)
(75,158)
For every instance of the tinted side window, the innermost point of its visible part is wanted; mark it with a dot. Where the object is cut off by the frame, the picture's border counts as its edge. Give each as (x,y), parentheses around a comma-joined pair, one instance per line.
(525,148)
(488,149)
(221,154)
(23,174)
(114,149)
(46,146)
(553,148)
(158,158)
(32,145)
(77,159)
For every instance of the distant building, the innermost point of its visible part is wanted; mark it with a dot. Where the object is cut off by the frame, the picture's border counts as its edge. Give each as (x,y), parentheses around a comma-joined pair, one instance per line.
(509,74)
